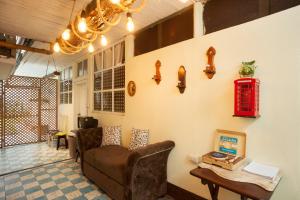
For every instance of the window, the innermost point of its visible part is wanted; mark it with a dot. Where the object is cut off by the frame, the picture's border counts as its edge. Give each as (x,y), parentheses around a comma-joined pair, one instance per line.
(65,81)
(82,68)
(223,14)
(173,29)
(109,79)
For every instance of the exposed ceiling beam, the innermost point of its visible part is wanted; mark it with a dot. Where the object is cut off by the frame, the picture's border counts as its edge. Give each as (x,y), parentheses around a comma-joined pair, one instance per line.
(52,75)
(26,48)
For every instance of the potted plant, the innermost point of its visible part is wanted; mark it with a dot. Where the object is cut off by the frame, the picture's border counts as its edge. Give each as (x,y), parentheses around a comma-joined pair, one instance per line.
(247,69)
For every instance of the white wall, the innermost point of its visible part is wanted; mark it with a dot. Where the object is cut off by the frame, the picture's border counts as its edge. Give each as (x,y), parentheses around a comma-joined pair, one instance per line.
(190,119)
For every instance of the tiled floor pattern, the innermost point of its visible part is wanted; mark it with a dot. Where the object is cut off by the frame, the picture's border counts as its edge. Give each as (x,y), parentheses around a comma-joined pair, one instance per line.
(27,156)
(59,181)
(41,180)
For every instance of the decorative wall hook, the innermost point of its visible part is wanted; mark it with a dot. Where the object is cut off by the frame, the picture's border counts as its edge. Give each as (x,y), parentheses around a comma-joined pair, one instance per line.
(157,76)
(181,79)
(210,70)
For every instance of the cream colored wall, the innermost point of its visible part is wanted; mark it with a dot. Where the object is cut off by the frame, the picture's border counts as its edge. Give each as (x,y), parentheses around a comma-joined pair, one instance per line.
(65,117)
(190,119)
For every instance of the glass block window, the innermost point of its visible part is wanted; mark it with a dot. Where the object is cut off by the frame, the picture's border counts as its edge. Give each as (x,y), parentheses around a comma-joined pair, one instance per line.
(107,101)
(97,81)
(97,101)
(61,97)
(119,77)
(119,101)
(66,86)
(109,79)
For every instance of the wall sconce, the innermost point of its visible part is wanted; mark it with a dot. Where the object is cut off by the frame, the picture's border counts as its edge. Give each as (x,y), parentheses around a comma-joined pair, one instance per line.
(157,76)
(181,79)
(210,70)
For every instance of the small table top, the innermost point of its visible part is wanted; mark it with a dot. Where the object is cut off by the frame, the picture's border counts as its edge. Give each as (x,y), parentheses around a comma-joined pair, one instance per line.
(248,190)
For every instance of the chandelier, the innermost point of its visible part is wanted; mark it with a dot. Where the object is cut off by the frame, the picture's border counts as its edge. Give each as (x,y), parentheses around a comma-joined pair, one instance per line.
(95,20)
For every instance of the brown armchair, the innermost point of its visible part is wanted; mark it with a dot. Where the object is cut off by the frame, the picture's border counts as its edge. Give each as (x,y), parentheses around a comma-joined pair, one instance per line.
(121,173)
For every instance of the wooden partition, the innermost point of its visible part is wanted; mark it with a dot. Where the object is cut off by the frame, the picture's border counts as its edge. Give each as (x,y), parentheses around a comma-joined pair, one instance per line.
(1,113)
(28,110)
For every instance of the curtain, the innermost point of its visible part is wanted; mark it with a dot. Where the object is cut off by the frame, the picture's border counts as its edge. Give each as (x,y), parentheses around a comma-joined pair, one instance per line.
(119,56)
(107,58)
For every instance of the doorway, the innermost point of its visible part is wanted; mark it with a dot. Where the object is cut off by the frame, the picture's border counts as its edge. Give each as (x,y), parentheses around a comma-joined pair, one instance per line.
(80,100)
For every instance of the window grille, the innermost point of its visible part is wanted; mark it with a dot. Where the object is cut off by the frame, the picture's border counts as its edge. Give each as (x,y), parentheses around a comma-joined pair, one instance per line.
(119,101)
(66,86)
(109,79)
(107,101)
(97,101)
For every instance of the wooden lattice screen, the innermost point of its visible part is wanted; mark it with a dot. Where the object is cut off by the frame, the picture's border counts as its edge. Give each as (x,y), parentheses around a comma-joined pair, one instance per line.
(29,110)
(1,113)
(48,106)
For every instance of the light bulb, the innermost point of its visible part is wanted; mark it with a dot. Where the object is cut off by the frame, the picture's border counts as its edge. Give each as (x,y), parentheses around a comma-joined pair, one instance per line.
(82,27)
(56,47)
(66,34)
(130,24)
(91,48)
(115,1)
(103,40)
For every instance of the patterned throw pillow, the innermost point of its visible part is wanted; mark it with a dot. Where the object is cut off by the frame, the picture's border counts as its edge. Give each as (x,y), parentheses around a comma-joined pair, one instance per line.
(111,135)
(139,138)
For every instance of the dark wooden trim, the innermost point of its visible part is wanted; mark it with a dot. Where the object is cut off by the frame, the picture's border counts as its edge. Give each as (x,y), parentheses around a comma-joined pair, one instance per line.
(181,194)
(165,19)
(26,48)
(264,8)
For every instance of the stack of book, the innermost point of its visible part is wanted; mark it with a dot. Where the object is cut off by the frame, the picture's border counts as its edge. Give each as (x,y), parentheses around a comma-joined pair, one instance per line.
(266,171)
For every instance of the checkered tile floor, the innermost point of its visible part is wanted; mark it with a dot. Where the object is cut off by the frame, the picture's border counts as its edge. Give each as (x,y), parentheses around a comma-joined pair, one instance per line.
(57,181)
(27,156)
(60,180)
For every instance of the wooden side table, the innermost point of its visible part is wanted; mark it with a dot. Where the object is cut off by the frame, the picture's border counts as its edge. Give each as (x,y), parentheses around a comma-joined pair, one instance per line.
(214,182)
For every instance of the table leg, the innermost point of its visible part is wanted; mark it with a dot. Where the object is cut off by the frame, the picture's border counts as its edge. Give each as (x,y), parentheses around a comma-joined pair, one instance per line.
(214,191)
(243,197)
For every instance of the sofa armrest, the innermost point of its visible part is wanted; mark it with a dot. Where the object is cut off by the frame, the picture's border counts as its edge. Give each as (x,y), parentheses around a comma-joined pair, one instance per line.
(147,171)
(88,139)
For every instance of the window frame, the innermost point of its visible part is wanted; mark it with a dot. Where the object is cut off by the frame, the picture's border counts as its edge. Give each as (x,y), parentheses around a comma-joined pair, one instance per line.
(101,71)
(69,81)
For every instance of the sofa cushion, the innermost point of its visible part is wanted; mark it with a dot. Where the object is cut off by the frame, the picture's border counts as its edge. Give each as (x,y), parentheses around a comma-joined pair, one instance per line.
(111,135)
(110,160)
(139,138)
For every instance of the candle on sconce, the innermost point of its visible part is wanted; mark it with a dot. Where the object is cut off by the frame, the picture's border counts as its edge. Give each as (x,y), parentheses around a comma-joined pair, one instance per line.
(181,74)
(181,79)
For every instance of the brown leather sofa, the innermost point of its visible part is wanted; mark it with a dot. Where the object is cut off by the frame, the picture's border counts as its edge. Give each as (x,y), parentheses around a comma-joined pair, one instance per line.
(121,173)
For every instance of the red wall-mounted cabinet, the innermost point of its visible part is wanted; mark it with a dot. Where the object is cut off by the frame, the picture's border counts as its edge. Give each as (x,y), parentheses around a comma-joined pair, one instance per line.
(246,97)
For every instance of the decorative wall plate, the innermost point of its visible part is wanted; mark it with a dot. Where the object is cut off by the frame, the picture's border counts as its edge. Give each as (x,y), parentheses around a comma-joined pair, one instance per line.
(131,88)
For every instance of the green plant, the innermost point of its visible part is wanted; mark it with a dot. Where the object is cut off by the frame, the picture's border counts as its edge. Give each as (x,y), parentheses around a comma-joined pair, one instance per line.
(247,68)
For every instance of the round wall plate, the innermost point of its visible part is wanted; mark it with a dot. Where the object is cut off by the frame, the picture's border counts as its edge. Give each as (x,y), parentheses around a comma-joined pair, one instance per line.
(131,88)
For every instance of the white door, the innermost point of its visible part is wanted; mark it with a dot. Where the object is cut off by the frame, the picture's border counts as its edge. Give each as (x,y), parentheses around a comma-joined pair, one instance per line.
(80,100)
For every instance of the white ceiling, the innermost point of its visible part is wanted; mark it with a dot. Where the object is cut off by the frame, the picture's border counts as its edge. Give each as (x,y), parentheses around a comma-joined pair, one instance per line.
(36,19)
(44,20)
